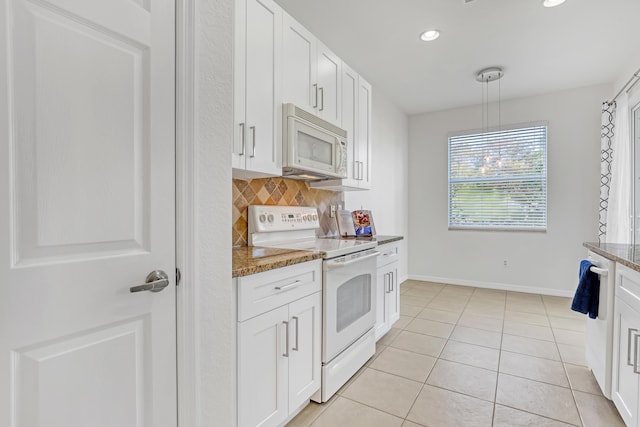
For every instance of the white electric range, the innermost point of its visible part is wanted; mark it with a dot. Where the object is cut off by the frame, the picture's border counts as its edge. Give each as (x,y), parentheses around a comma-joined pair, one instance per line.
(348,291)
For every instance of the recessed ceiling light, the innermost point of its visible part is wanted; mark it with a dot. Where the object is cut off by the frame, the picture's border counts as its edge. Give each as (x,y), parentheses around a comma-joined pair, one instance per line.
(429,35)
(552,3)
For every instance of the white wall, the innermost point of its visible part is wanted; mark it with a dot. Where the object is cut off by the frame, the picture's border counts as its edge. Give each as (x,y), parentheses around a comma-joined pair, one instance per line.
(214,315)
(536,262)
(388,197)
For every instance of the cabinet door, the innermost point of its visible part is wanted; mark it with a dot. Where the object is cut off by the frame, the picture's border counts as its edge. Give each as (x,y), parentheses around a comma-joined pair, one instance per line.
(393,297)
(299,71)
(350,122)
(263,369)
(304,349)
(239,85)
(382,313)
(263,87)
(625,391)
(364,133)
(329,85)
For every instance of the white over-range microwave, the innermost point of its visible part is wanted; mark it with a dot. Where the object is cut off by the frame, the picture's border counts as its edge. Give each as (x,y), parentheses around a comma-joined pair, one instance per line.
(313,149)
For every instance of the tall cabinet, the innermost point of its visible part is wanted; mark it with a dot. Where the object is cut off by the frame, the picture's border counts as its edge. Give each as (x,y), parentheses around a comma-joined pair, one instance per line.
(257,144)
(311,73)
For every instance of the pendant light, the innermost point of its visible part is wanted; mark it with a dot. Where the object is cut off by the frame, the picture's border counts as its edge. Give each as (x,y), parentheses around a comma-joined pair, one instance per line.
(485,77)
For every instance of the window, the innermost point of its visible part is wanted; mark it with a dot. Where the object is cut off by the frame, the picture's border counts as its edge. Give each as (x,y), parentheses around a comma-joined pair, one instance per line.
(498,179)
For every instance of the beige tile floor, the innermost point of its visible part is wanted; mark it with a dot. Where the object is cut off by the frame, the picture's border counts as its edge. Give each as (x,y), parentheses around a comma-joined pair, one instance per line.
(462,356)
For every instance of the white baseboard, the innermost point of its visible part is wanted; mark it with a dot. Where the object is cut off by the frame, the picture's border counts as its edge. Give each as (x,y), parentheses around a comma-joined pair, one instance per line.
(403,278)
(493,285)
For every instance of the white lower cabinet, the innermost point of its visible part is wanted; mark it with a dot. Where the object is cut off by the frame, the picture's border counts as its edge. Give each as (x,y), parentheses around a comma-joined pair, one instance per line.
(388,291)
(279,349)
(625,391)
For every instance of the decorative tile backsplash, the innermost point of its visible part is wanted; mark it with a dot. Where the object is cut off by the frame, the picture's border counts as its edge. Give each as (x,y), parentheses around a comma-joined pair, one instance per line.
(281,192)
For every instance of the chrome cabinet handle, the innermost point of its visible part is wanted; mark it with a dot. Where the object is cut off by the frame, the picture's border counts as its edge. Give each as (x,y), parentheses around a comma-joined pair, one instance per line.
(361,174)
(387,283)
(286,334)
(253,149)
(393,281)
(629,333)
(636,340)
(156,281)
(297,323)
(242,140)
(289,286)
(321,99)
(356,170)
(315,99)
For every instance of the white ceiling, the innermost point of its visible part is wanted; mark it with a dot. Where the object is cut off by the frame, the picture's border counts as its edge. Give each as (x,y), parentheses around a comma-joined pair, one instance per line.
(579,43)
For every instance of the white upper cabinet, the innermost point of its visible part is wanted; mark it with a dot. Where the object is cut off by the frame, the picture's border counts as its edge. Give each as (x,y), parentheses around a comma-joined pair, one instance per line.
(257,143)
(356,120)
(311,73)
(363,141)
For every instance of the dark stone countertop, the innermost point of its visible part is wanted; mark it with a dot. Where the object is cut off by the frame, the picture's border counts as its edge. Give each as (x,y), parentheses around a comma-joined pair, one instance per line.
(249,260)
(625,254)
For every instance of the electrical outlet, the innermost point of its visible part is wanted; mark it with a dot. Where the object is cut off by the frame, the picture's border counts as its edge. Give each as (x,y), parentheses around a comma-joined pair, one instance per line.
(505,262)
(333,211)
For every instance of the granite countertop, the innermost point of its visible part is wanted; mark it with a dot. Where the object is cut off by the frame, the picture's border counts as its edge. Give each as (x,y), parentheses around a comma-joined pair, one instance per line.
(254,259)
(382,239)
(625,254)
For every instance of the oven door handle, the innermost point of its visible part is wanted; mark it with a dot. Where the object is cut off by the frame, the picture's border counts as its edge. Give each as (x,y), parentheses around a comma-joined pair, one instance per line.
(333,264)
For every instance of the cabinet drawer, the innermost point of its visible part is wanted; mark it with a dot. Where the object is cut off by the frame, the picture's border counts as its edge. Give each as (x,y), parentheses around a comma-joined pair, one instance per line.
(388,253)
(262,292)
(628,286)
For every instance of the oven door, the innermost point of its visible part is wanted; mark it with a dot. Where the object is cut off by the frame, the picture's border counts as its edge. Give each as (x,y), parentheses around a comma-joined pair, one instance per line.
(349,300)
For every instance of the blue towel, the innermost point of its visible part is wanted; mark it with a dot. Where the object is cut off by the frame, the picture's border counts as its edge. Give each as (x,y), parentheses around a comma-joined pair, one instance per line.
(587,295)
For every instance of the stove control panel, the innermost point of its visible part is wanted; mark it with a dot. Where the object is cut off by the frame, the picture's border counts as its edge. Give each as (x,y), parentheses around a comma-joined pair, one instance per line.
(265,218)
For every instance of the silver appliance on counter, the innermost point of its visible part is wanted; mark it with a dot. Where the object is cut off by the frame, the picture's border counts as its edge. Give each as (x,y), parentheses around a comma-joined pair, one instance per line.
(348,287)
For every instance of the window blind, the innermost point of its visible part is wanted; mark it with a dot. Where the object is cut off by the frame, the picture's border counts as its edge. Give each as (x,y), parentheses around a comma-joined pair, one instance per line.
(498,179)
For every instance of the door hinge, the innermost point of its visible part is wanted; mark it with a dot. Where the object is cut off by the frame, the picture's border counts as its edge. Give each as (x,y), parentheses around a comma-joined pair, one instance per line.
(178,276)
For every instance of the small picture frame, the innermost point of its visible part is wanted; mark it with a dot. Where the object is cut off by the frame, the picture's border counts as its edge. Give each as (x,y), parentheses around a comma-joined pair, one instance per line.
(346,227)
(363,222)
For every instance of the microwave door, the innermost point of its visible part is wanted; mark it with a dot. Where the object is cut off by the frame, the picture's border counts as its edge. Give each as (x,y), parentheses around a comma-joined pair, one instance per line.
(314,149)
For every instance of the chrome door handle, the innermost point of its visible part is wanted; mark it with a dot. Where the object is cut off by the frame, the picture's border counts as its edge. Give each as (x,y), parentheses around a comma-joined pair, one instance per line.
(321,99)
(156,281)
(297,323)
(315,99)
(253,147)
(392,285)
(629,333)
(286,334)
(242,140)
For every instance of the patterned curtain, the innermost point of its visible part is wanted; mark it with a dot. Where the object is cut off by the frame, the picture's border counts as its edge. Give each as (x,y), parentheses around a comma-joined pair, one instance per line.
(606,137)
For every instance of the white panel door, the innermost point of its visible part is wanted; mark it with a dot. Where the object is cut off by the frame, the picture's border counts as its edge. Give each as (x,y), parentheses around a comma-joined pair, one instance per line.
(87,211)
(625,389)
(350,121)
(263,355)
(305,349)
(364,133)
(329,85)
(263,97)
(299,70)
